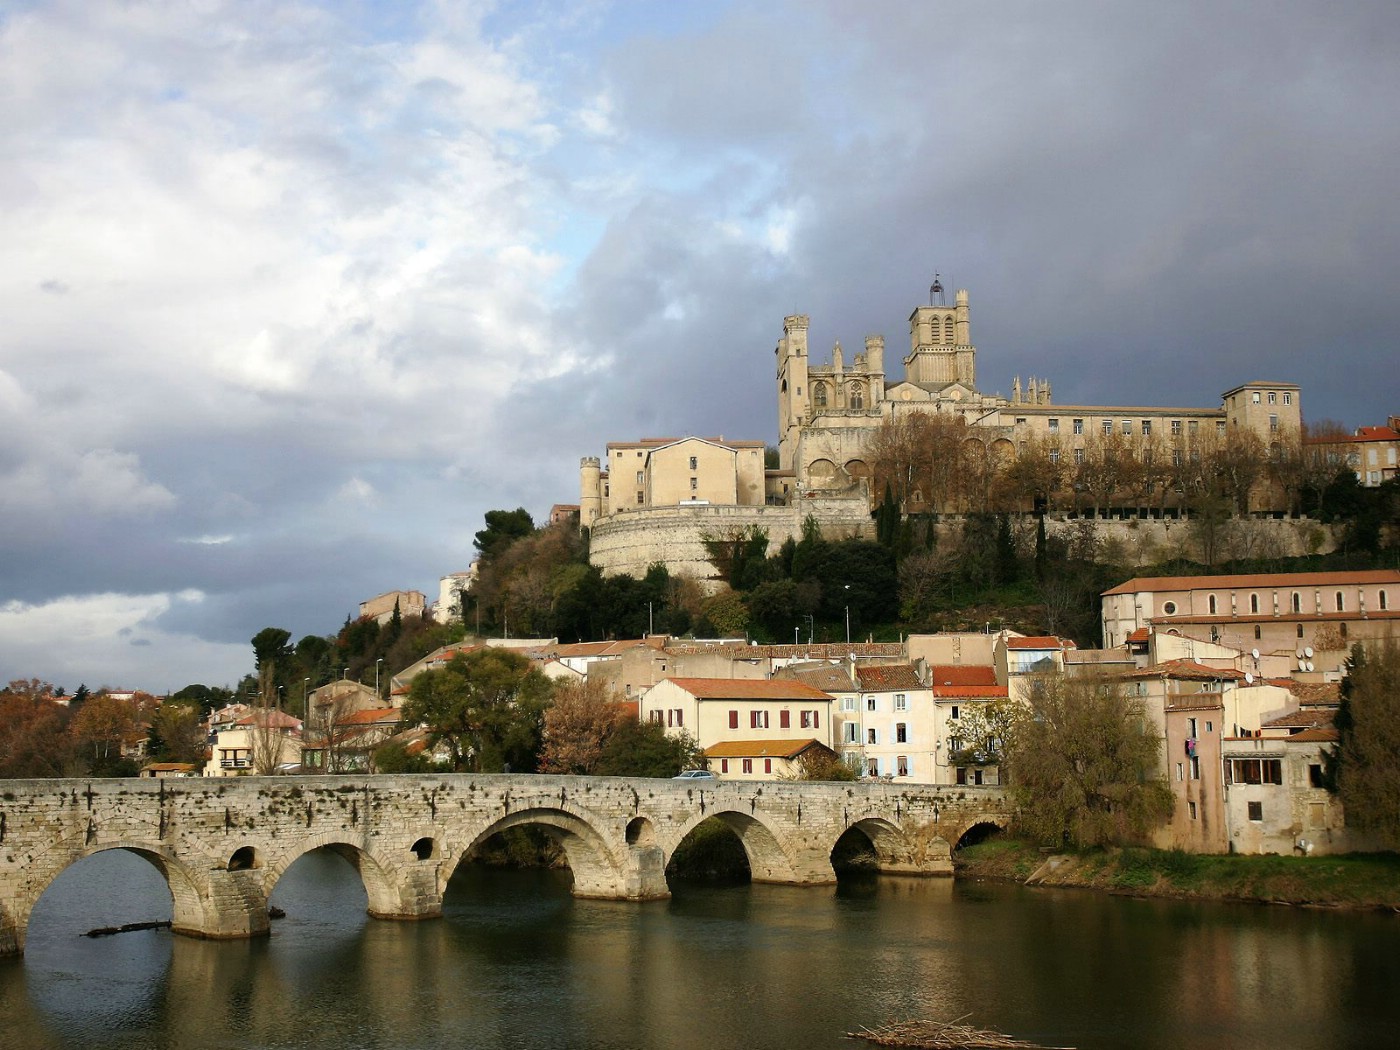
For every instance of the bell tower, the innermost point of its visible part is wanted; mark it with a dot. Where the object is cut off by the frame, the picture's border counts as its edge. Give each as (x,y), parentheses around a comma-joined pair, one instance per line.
(793,392)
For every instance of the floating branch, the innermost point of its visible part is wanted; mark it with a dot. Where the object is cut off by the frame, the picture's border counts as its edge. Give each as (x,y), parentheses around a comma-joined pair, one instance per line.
(942,1035)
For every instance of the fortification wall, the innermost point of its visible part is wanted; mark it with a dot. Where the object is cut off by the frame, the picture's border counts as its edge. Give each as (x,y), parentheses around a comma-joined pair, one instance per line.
(631,541)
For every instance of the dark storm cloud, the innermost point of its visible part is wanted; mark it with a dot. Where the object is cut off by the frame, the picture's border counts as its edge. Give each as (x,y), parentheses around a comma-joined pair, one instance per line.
(285,317)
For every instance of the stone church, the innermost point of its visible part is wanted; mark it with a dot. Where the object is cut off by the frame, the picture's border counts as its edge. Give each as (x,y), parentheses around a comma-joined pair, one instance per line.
(655,499)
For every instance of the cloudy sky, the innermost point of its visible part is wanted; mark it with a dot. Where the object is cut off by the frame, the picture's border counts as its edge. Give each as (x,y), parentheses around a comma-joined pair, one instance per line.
(292,293)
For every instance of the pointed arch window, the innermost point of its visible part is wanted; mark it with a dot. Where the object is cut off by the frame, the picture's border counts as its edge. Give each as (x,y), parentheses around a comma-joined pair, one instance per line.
(819,395)
(1210,602)
(948,330)
(855,396)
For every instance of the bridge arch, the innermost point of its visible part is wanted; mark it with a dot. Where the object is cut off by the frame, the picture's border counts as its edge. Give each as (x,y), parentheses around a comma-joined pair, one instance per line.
(769,859)
(907,848)
(978,831)
(191,903)
(382,888)
(597,871)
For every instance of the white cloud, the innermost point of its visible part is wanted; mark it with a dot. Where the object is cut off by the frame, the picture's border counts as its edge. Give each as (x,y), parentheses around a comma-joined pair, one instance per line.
(114,639)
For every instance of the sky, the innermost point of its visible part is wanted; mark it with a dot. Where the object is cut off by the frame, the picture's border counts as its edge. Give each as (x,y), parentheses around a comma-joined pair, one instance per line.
(292,293)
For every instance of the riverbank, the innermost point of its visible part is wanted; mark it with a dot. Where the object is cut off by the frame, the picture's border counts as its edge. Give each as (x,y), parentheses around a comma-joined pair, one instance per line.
(1346,881)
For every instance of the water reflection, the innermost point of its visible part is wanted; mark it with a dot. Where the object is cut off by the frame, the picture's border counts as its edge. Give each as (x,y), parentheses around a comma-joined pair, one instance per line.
(516,961)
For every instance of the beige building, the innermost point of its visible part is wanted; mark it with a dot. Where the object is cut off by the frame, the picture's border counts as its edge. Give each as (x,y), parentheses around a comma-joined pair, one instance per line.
(381,606)
(770,718)
(1371,453)
(261,742)
(671,472)
(1312,617)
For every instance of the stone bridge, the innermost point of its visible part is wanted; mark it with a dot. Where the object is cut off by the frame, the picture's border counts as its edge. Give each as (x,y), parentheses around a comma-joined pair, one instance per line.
(222,844)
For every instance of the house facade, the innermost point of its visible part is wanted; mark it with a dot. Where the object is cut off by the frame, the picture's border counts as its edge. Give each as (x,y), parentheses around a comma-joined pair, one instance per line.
(1315,616)
(769,717)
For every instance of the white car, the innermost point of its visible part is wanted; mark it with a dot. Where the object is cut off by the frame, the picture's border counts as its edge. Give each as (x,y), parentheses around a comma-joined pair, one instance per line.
(696,776)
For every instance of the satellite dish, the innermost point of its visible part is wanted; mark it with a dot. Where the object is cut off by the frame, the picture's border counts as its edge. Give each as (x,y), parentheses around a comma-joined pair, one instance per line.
(1307,651)
(1248,678)
(1307,665)
(1254,653)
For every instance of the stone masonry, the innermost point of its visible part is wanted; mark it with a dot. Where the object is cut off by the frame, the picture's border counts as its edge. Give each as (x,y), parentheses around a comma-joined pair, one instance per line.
(223,844)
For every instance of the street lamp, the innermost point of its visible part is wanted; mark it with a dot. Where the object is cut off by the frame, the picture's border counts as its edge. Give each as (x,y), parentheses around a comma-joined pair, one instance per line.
(848,614)
(376,676)
(305,695)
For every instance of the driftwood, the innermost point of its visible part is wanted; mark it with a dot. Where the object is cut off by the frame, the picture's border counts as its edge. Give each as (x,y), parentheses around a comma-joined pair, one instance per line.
(107,931)
(942,1035)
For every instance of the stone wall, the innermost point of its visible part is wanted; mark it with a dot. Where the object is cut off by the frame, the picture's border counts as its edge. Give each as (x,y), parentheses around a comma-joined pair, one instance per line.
(632,541)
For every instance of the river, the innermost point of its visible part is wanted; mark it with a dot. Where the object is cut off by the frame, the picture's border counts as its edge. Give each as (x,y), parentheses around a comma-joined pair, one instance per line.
(516,962)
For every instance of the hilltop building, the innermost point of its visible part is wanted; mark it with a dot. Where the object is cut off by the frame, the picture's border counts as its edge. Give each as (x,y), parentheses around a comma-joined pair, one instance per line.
(658,498)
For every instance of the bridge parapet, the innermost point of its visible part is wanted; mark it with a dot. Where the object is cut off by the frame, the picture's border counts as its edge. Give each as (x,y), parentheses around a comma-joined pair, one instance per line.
(222,843)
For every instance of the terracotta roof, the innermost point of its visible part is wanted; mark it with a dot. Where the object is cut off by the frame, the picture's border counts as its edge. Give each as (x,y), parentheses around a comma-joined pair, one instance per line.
(1188,670)
(275,719)
(1258,581)
(942,675)
(815,651)
(970,692)
(883,677)
(1322,734)
(370,717)
(1303,718)
(830,678)
(761,748)
(1048,641)
(1140,635)
(748,689)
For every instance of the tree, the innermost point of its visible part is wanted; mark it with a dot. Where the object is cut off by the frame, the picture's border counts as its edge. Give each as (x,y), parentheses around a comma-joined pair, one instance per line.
(102,729)
(486,706)
(1366,760)
(1084,764)
(577,727)
(503,527)
(34,741)
(177,731)
(982,730)
(643,749)
(819,764)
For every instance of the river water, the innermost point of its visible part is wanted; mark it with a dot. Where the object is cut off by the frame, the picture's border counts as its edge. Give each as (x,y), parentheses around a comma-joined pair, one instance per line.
(516,962)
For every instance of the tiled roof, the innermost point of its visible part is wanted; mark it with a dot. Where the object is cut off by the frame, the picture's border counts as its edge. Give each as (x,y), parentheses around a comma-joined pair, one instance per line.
(370,717)
(274,719)
(884,677)
(761,748)
(1259,581)
(1322,734)
(815,651)
(970,692)
(1188,670)
(831,678)
(1303,718)
(961,674)
(748,689)
(1140,635)
(1048,641)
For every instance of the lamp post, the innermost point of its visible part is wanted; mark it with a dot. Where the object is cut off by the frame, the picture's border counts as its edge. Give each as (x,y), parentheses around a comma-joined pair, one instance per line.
(376,676)
(305,697)
(848,614)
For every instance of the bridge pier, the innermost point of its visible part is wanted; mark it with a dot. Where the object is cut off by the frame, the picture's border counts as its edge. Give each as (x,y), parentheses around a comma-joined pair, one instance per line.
(645,877)
(234,905)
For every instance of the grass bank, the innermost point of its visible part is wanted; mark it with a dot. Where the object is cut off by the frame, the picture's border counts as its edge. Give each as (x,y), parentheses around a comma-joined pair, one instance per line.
(1349,881)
